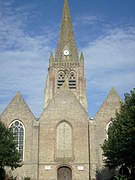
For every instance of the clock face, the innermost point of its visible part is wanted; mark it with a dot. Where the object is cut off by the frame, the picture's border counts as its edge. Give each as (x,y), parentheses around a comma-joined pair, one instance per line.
(66,52)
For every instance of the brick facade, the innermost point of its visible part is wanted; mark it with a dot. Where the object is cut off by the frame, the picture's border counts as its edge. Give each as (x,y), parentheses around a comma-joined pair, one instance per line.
(64,137)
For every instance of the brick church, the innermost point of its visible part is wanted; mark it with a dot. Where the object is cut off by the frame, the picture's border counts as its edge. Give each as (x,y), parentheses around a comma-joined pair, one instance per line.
(64,143)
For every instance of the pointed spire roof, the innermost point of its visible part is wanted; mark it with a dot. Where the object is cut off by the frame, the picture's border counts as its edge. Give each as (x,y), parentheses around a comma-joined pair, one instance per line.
(66,37)
(66,12)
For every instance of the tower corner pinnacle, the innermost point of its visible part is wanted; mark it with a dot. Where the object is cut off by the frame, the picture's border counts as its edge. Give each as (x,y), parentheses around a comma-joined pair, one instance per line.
(81,59)
(51,60)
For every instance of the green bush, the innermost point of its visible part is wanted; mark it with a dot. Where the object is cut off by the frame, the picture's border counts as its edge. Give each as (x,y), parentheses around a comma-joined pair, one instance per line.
(120,178)
(27,178)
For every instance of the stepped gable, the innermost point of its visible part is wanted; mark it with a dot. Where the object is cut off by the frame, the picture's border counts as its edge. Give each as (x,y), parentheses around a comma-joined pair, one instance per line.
(64,105)
(17,109)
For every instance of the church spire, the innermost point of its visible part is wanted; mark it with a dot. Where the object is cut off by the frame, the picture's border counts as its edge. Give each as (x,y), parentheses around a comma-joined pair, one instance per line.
(66,66)
(66,37)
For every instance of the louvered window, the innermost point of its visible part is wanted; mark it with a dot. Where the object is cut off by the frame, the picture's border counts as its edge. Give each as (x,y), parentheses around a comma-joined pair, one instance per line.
(61,79)
(72,81)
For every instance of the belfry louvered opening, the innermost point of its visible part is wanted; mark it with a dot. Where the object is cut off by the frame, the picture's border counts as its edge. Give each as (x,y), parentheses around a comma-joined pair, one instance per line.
(72,81)
(61,79)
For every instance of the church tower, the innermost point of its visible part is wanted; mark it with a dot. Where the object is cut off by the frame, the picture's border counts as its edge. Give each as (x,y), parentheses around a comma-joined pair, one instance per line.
(66,67)
(63,143)
(63,134)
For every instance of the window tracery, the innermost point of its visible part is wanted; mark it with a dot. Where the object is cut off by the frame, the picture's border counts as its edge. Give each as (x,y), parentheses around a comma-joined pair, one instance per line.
(107,127)
(18,131)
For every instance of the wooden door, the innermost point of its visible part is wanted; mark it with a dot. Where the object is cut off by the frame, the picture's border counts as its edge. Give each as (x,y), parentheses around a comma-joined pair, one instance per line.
(64,173)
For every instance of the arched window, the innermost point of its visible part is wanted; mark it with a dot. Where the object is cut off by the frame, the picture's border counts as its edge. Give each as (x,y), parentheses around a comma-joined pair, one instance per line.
(18,130)
(107,127)
(72,81)
(64,140)
(61,79)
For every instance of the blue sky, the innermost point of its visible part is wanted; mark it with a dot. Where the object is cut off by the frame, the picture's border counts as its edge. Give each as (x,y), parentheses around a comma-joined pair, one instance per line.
(29,29)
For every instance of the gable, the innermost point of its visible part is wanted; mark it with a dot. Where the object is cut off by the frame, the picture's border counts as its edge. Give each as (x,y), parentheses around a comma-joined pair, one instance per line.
(64,105)
(17,109)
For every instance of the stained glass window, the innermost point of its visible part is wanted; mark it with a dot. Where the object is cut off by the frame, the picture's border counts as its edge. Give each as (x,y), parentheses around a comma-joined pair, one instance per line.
(18,130)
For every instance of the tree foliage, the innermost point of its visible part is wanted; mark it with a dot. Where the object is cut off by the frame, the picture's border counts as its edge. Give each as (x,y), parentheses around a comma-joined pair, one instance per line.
(9,155)
(119,148)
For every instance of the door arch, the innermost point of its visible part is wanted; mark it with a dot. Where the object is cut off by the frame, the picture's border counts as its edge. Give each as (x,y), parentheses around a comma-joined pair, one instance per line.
(64,173)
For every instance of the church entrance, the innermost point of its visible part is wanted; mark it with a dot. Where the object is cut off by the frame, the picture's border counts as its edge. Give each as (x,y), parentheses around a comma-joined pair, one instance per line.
(64,173)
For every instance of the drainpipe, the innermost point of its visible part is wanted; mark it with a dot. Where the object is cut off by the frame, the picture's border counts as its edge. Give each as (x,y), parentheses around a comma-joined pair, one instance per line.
(89,148)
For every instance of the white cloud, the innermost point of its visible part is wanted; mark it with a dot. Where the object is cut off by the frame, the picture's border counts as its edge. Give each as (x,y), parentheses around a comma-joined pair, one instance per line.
(110,62)
(88,19)
(23,59)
